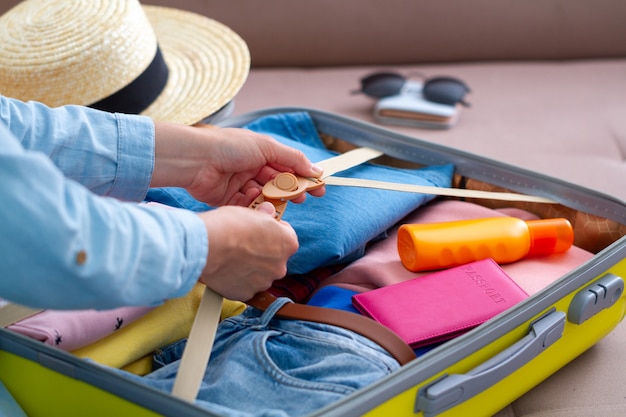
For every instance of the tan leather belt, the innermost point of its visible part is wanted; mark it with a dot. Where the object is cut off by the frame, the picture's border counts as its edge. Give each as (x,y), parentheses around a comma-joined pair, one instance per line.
(362,325)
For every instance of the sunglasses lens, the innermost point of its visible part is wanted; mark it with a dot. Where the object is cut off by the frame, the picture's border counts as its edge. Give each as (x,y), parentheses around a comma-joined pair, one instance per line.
(445,90)
(383,84)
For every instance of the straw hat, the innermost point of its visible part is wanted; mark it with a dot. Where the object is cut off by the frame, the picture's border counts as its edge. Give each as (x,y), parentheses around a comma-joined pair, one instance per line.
(117,55)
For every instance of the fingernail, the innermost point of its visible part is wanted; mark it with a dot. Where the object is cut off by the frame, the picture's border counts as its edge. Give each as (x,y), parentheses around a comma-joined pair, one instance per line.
(318,170)
(266,207)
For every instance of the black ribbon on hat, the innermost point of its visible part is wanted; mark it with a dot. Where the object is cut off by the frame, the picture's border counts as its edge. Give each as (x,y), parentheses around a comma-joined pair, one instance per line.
(141,92)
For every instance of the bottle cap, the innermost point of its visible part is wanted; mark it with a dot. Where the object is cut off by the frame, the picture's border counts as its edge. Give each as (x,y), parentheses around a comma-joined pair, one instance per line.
(407,248)
(548,236)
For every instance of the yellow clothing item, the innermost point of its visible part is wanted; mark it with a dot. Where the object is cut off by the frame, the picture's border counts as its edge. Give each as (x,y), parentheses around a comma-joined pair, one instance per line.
(141,366)
(131,347)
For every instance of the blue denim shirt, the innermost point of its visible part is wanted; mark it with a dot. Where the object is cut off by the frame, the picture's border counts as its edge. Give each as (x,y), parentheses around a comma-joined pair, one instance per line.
(336,228)
(63,242)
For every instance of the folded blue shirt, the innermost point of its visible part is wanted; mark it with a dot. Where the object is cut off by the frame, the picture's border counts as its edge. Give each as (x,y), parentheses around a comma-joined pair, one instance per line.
(334,228)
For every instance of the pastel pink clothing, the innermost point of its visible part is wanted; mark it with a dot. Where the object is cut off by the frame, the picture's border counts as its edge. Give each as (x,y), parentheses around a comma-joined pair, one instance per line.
(70,330)
(381,264)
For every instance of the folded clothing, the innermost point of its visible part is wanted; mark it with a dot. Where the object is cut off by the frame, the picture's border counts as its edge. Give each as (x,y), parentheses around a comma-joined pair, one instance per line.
(165,324)
(70,330)
(381,265)
(335,228)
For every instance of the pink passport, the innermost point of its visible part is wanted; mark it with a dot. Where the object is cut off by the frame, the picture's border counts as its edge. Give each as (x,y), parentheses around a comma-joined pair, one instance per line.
(441,305)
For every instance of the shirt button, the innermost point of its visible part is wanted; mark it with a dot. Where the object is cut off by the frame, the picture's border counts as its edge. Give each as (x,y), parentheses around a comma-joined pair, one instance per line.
(81,257)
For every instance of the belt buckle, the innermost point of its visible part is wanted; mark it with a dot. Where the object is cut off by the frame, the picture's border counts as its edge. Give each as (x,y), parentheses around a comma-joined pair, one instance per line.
(284,187)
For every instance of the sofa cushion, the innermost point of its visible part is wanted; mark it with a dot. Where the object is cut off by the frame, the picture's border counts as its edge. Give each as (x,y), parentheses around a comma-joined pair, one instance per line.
(369,32)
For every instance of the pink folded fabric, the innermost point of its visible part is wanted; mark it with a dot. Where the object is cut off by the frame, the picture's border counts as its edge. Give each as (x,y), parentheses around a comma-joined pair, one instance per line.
(381,264)
(70,330)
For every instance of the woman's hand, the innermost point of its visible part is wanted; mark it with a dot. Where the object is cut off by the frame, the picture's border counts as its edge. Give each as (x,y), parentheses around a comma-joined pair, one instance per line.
(223,166)
(226,168)
(248,250)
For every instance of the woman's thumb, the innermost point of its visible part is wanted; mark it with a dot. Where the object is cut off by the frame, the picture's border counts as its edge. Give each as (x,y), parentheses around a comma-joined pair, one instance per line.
(266,207)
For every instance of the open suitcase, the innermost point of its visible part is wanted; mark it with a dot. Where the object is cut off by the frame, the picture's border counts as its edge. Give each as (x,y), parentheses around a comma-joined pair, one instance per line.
(475,374)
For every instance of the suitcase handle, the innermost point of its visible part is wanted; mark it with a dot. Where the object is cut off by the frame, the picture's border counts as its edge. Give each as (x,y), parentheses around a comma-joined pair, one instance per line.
(452,390)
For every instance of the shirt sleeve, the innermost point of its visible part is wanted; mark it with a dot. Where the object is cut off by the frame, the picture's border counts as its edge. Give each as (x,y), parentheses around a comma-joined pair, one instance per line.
(111,154)
(64,247)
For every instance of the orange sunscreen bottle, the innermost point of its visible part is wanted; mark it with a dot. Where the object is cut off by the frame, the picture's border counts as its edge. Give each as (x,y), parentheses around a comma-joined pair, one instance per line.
(431,246)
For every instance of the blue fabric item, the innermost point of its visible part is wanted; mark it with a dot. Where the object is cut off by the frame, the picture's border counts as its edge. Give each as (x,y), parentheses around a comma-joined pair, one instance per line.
(53,162)
(110,154)
(263,366)
(334,228)
(176,197)
(334,297)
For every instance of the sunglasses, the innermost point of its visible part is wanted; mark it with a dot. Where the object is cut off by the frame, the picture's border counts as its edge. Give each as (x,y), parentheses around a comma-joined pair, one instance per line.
(443,90)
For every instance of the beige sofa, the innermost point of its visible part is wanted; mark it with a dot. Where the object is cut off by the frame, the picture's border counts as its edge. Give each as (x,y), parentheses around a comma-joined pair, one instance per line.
(548,80)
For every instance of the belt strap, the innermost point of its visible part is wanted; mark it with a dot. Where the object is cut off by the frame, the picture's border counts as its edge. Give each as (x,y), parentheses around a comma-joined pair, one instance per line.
(346,160)
(199,344)
(362,325)
(423,189)
(358,156)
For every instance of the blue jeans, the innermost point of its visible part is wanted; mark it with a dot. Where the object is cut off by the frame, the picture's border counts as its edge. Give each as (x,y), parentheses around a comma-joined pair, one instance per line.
(264,366)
